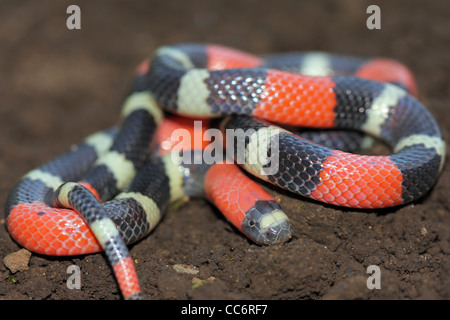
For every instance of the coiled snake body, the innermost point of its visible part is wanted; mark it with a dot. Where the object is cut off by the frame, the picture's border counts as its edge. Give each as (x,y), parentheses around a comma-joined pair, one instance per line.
(112,189)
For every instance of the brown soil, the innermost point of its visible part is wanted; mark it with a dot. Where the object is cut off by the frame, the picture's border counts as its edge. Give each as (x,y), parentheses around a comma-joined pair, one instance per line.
(58,85)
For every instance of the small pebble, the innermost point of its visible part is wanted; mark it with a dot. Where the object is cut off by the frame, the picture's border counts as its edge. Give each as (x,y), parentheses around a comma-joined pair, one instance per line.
(17,261)
(180,268)
(196,282)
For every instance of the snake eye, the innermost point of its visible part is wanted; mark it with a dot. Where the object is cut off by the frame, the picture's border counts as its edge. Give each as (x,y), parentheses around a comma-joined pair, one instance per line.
(252,222)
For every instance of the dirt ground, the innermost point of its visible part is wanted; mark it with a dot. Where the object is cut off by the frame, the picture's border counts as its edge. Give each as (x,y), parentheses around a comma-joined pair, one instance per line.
(59,85)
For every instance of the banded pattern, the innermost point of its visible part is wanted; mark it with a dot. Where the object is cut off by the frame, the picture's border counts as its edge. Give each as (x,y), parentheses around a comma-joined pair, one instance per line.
(380,109)
(112,189)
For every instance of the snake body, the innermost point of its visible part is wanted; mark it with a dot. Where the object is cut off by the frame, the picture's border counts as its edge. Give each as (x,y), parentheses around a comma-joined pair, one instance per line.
(112,189)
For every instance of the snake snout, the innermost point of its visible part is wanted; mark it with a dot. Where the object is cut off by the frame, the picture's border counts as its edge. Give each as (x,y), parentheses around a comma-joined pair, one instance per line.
(266,223)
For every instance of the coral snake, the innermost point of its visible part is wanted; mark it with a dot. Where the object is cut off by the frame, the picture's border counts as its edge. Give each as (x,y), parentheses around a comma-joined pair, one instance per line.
(113,188)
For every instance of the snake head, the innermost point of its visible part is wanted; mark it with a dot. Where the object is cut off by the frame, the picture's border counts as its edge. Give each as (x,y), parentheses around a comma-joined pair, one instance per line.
(266,223)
